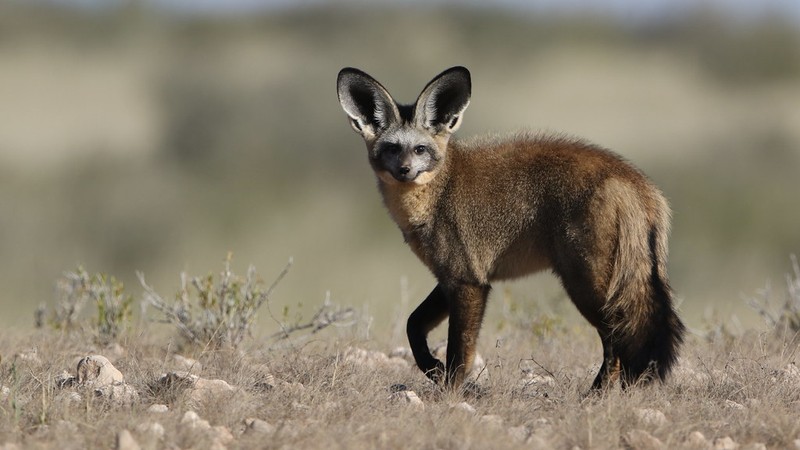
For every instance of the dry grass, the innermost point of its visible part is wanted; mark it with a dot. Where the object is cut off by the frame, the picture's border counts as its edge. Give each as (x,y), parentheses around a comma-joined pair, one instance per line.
(745,387)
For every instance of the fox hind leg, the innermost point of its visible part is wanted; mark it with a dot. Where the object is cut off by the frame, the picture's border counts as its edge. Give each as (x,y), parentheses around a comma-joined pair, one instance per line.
(610,368)
(585,284)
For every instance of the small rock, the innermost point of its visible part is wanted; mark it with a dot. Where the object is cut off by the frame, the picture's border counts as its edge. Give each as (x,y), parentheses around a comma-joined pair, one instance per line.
(361,356)
(439,351)
(158,408)
(542,422)
(696,440)
(407,398)
(724,443)
(4,393)
(154,430)
(189,417)
(97,370)
(187,364)
(221,434)
(193,421)
(258,426)
(796,444)
(463,406)
(120,394)
(125,441)
(398,362)
(372,358)
(176,380)
(532,379)
(642,440)
(217,386)
(650,417)
(520,433)
(790,374)
(542,427)
(492,420)
(402,352)
(205,390)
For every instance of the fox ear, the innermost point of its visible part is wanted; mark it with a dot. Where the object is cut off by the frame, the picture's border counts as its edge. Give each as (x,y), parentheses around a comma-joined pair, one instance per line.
(443,101)
(366,102)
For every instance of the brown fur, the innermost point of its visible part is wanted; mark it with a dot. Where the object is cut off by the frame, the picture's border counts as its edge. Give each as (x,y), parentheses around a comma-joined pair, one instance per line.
(497,209)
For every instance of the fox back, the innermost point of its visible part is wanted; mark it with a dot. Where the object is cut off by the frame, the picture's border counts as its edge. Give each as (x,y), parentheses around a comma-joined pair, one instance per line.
(490,209)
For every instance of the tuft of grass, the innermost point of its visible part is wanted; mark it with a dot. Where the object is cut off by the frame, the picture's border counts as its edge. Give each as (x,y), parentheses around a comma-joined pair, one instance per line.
(214,313)
(79,289)
(785,318)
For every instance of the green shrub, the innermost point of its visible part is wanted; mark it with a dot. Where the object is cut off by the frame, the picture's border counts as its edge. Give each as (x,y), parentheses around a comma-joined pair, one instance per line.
(78,289)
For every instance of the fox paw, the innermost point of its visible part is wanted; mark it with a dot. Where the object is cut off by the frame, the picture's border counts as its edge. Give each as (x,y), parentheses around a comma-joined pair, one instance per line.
(437,374)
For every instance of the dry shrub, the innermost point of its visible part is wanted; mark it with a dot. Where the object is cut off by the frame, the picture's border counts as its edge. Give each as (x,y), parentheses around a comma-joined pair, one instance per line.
(214,313)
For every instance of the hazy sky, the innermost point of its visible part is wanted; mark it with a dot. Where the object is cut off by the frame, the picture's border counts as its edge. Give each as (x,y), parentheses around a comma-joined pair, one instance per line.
(626,9)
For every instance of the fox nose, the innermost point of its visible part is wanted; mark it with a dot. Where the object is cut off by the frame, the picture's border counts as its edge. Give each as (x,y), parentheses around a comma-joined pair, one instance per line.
(404,170)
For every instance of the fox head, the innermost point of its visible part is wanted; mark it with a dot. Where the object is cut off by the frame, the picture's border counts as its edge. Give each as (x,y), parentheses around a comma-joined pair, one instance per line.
(406,143)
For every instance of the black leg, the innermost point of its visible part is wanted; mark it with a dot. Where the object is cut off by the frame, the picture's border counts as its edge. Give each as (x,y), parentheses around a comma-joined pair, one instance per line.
(430,313)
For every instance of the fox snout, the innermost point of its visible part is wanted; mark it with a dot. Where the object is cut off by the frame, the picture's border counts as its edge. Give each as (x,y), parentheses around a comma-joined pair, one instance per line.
(404,173)
(407,169)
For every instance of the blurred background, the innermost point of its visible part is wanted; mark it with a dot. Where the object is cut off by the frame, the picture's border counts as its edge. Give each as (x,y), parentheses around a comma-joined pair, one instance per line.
(160,135)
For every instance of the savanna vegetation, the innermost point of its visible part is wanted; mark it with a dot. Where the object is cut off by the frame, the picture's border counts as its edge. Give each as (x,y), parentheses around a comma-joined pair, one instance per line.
(331,382)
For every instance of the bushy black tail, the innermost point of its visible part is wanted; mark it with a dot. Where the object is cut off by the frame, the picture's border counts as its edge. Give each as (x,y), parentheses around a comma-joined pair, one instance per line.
(650,349)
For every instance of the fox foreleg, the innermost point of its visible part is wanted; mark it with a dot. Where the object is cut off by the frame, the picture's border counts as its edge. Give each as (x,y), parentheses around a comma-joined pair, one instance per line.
(430,313)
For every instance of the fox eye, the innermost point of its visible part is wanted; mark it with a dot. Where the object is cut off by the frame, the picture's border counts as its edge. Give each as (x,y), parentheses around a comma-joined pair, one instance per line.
(420,149)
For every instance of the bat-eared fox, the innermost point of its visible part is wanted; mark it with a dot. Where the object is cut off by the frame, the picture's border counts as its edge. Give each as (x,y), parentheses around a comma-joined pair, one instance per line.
(489,209)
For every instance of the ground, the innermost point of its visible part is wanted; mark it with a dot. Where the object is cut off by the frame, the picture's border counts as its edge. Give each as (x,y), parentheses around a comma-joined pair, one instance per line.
(335,390)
